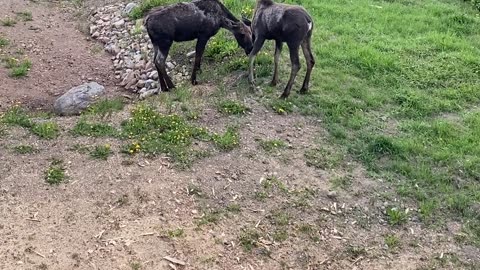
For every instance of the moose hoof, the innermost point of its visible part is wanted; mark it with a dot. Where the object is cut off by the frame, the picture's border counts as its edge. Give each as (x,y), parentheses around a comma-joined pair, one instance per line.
(303,91)
(273,83)
(194,82)
(284,96)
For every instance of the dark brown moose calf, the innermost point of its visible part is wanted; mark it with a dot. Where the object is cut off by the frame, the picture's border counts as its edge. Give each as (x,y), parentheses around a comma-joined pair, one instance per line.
(199,19)
(283,23)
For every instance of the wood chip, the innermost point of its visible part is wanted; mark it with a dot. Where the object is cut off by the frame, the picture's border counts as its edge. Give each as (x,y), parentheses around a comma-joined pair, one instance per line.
(32,219)
(99,235)
(43,256)
(173,260)
(147,234)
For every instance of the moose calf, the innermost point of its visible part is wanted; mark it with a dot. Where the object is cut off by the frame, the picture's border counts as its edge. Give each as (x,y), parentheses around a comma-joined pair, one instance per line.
(199,19)
(283,23)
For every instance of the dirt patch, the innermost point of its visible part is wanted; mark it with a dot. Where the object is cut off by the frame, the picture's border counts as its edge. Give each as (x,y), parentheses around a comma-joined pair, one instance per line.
(62,57)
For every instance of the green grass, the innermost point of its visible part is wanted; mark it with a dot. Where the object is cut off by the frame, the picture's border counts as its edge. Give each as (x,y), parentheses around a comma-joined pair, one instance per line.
(101,152)
(9,22)
(18,69)
(106,107)
(281,106)
(24,149)
(55,173)
(274,145)
(89,129)
(25,16)
(396,216)
(179,232)
(16,116)
(322,158)
(4,42)
(392,241)
(46,130)
(227,141)
(248,239)
(232,107)
(398,97)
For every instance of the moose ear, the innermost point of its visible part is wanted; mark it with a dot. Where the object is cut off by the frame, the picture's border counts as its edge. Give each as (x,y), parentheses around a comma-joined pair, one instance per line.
(230,23)
(246,21)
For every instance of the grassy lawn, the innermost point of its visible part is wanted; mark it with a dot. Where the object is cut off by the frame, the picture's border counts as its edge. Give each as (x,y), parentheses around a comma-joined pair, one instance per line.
(396,85)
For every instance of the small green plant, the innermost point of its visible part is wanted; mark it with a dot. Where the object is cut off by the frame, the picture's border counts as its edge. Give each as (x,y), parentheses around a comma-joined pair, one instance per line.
(356,252)
(342,182)
(25,16)
(234,208)
(280,218)
(20,69)
(392,241)
(135,265)
(101,152)
(8,22)
(232,107)
(321,158)
(280,235)
(106,107)
(396,216)
(212,216)
(227,141)
(194,190)
(84,128)
(4,42)
(281,106)
(16,116)
(273,182)
(82,149)
(179,232)
(220,47)
(272,145)
(55,173)
(24,149)
(46,130)
(249,239)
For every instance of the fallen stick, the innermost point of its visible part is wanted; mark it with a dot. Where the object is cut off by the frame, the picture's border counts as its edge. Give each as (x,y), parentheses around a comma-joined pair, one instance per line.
(173,260)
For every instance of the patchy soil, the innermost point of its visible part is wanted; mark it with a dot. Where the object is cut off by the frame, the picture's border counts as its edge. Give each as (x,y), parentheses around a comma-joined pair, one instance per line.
(62,57)
(244,209)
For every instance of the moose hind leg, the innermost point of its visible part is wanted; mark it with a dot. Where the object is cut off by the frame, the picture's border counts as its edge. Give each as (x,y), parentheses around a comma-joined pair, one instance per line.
(200,48)
(157,58)
(307,51)
(295,59)
(278,52)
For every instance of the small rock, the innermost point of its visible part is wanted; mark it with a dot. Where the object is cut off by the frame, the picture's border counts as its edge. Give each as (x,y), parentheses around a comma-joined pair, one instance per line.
(140,83)
(170,65)
(129,8)
(119,23)
(153,75)
(78,98)
(191,54)
(332,194)
(148,93)
(93,29)
(96,34)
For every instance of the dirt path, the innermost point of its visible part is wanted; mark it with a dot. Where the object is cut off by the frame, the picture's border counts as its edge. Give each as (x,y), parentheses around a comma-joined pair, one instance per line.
(62,57)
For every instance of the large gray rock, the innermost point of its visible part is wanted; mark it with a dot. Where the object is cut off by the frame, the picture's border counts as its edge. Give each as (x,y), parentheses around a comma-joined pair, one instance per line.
(78,98)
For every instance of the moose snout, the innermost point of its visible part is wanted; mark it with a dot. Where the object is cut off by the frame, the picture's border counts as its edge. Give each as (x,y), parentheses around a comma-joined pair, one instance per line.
(248,50)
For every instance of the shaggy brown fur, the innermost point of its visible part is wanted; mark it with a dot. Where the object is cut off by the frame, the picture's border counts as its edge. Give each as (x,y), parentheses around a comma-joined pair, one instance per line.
(283,23)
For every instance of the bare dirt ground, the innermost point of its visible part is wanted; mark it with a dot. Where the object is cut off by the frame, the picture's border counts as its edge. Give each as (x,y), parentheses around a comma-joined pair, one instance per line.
(129,213)
(62,57)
